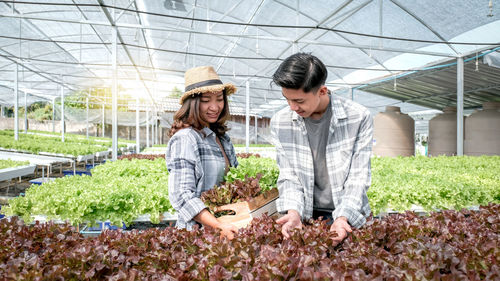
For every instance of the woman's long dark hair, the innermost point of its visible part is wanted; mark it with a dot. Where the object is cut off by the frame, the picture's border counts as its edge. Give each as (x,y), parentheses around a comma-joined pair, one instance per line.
(189,116)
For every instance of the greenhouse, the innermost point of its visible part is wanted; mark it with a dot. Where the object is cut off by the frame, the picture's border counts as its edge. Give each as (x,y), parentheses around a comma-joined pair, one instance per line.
(185,140)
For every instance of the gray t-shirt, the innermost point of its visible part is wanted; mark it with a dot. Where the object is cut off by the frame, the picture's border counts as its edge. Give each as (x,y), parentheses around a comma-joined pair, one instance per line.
(317,133)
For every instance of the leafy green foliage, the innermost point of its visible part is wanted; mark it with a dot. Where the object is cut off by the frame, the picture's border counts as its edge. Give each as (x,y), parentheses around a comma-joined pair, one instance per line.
(53,146)
(175,92)
(448,245)
(117,191)
(434,183)
(141,156)
(40,111)
(34,143)
(11,163)
(251,167)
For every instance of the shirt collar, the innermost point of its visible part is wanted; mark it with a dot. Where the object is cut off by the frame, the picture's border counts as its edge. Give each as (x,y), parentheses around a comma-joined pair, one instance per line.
(207,131)
(338,110)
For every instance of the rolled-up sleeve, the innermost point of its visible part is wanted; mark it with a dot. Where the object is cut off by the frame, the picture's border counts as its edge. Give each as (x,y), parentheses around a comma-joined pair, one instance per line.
(354,203)
(182,184)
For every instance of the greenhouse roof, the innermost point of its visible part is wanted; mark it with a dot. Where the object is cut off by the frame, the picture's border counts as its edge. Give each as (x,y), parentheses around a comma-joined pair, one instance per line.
(71,43)
(436,86)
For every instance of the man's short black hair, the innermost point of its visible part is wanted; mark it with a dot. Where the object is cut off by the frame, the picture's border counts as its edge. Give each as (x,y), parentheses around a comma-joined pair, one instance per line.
(301,71)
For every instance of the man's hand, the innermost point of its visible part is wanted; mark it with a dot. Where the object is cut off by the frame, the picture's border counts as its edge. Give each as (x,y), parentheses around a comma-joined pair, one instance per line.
(289,222)
(227,230)
(342,228)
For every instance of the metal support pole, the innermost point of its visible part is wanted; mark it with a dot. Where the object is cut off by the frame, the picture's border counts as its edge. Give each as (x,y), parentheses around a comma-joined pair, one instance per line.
(247,116)
(137,127)
(256,130)
(16,103)
(147,127)
(152,128)
(156,127)
(103,120)
(62,110)
(25,112)
(351,93)
(53,115)
(381,22)
(460,106)
(114,94)
(87,102)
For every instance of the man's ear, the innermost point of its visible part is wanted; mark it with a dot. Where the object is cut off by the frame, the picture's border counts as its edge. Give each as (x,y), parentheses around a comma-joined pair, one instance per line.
(323,90)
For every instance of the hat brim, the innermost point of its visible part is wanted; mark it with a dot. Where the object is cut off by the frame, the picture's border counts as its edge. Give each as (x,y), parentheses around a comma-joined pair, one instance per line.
(228,87)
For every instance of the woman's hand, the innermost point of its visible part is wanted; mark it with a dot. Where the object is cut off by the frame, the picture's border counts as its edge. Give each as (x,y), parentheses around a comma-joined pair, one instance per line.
(207,219)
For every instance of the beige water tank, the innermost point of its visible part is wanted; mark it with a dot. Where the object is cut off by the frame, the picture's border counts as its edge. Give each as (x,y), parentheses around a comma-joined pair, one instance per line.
(443,133)
(482,131)
(393,133)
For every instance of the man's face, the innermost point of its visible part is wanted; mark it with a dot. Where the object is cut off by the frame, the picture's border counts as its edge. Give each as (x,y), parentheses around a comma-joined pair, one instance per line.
(305,104)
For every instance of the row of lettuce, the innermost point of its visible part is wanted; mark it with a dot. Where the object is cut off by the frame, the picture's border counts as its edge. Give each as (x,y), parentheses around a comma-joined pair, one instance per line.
(447,245)
(121,191)
(36,142)
(8,163)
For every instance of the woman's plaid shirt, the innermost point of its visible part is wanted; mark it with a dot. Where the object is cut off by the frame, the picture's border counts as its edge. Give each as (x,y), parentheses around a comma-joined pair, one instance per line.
(195,164)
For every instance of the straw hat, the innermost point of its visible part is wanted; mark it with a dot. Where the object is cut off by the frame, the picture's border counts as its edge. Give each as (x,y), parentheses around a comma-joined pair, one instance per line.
(204,79)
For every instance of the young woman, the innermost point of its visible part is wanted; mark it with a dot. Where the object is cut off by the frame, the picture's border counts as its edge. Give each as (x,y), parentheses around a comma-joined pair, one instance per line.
(200,152)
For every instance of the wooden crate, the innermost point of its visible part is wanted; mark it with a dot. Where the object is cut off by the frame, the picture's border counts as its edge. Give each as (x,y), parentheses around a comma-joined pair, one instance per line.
(246,211)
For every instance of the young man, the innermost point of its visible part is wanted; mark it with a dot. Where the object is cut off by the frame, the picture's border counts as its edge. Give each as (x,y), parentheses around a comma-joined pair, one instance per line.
(323,146)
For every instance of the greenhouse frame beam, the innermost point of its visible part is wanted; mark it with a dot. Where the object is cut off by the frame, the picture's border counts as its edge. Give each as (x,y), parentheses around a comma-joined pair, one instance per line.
(114,97)
(247,116)
(380,21)
(236,42)
(28,21)
(103,121)
(421,21)
(147,127)
(53,114)
(16,103)
(87,117)
(346,15)
(343,17)
(314,42)
(137,127)
(150,55)
(256,130)
(125,48)
(125,10)
(62,111)
(291,43)
(460,106)
(37,72)
(25,112)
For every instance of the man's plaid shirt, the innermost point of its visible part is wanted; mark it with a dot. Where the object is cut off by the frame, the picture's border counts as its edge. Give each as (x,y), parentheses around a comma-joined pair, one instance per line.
(348,154)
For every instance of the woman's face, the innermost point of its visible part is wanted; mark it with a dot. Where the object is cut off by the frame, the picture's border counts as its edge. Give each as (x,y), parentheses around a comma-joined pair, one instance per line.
(211,105)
